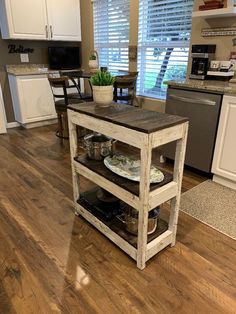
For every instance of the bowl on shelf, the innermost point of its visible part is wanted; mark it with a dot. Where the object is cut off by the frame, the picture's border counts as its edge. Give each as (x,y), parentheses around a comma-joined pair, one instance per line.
(130,168)
(98,146)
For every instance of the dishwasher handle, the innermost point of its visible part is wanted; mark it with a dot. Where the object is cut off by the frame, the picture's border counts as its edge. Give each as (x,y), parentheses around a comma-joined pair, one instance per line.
(193,100)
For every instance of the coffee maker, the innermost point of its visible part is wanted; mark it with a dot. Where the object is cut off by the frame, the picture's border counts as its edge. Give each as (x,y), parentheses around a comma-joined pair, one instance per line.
(201,57)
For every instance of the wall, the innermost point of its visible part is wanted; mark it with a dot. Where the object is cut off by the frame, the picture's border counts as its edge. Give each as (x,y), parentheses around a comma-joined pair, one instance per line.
(38,56)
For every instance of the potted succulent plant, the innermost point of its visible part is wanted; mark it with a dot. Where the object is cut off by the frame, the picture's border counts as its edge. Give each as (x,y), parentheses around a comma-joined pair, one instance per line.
(102,85)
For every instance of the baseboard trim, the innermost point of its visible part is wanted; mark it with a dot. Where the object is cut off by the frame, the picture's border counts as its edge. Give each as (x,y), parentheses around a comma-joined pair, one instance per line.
(224,181)
(39,124)
(14,124)
(30,125)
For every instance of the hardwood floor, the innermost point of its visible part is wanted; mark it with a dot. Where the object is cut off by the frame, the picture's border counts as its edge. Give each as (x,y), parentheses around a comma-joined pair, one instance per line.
(54,262)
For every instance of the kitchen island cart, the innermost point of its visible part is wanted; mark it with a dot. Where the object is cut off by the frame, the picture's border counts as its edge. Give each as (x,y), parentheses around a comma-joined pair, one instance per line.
(144,130)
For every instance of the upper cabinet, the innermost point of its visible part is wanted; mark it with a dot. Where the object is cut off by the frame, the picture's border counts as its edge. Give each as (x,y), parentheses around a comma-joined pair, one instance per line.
(40,19)
(64,19)
(23,19)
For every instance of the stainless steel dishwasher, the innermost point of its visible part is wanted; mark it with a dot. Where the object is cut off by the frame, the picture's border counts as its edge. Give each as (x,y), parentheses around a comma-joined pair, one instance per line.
(202,109)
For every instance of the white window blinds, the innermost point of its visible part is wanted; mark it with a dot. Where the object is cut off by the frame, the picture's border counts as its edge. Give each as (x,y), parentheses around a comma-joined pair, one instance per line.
(164,34)
(111,32)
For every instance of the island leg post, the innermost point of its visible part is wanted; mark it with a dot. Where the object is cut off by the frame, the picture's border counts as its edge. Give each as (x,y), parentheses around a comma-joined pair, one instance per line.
(144,187)
(178,176)
(73,138)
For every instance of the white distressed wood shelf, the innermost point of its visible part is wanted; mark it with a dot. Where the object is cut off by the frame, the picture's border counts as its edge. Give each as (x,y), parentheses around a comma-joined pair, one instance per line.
(216,13)
(145,130)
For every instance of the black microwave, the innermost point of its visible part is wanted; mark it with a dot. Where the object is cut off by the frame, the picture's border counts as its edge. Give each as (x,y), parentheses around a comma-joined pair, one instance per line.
(64,58)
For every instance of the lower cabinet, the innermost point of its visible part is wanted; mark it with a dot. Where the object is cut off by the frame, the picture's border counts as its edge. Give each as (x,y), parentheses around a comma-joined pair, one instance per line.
(224,162)
(32,98)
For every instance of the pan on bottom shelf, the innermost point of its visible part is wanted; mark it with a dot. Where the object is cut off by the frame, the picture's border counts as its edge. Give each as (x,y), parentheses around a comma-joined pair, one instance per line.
(129,218)
(93,201)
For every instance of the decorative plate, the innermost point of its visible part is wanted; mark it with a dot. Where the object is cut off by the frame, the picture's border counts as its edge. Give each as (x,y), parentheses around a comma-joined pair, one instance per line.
(129,168)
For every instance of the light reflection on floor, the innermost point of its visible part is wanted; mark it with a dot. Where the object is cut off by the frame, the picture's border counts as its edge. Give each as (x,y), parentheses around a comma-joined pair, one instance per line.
(82,279)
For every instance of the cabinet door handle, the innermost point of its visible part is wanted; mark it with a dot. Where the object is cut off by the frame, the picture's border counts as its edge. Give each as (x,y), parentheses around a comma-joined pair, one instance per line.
(46,29)
(51,31)
(194,100)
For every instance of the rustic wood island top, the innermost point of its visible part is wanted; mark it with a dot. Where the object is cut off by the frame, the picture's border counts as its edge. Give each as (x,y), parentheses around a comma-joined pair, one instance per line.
(141,120)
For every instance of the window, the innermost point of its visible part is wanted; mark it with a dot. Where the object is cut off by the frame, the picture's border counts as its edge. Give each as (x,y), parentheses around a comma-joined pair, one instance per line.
(111,32)
(164,34)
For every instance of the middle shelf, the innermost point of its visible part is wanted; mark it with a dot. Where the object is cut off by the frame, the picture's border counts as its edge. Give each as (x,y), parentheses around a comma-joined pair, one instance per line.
(131,186)
(125,189)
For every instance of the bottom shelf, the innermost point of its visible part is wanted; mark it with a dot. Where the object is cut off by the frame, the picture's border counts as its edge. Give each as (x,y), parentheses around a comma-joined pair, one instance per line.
(90,202)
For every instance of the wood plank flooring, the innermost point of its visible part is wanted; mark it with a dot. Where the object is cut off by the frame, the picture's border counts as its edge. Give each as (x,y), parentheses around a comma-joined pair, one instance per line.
(54,262)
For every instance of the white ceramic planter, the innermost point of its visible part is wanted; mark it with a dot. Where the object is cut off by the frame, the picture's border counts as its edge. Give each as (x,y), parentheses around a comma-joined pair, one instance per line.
(93,65)
(103,95)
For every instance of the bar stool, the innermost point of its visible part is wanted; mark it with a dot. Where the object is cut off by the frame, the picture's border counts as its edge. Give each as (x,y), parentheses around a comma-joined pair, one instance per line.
(124,88)
(72,76)
(59,87)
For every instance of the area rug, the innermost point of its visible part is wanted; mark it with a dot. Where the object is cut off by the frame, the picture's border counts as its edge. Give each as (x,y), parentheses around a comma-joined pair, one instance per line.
(212,204)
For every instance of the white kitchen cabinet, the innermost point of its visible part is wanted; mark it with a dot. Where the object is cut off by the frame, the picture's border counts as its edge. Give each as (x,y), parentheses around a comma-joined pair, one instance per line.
(32,99)
(40,19)
(224,161)
(23,19)
(64,19)
(2,114)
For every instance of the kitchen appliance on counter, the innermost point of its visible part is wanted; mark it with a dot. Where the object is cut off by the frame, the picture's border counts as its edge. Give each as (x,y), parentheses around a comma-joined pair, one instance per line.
(203,110)
(221,70)
(201,58)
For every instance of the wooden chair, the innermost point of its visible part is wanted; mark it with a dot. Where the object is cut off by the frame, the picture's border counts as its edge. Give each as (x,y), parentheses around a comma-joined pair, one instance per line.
(74,76)
(124,88)
(59,88)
